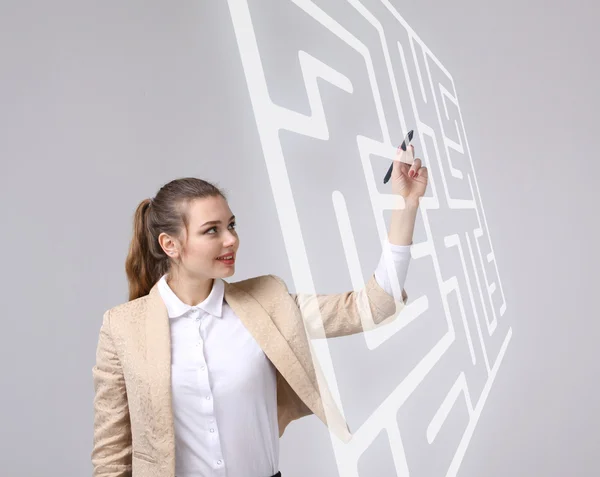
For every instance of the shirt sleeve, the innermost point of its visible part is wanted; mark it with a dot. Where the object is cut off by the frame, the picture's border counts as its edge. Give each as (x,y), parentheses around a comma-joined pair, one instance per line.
(401,259)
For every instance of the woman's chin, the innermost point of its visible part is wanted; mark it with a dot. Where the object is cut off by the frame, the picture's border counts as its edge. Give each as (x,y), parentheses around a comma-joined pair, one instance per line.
(227,272)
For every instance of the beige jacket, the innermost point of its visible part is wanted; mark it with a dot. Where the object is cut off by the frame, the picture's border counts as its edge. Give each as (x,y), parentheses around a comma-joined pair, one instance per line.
(133,421)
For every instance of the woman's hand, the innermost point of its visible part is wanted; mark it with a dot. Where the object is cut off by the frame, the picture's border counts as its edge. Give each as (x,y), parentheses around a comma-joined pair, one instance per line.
(408,181)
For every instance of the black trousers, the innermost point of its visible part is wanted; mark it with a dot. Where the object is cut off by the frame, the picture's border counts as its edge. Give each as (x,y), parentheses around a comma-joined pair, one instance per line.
(278,474)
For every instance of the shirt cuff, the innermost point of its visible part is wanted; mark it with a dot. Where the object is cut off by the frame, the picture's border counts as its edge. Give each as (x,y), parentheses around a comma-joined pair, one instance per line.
(401,259)
(397,250)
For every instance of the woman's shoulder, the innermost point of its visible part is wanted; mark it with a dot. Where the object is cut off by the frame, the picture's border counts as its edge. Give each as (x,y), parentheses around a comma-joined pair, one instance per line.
(261,282)
(128,309)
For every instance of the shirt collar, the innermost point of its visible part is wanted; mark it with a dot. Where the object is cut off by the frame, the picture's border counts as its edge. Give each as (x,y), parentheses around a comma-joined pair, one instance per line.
(213,304)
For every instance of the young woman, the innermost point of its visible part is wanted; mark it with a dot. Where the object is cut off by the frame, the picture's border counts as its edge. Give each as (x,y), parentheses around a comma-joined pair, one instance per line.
(199,377)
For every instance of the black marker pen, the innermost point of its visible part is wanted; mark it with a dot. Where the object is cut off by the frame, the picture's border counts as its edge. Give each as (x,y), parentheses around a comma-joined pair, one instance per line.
(403,146)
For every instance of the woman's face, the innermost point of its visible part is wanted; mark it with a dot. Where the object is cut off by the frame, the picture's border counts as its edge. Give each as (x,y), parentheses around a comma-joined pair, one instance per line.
(211,234)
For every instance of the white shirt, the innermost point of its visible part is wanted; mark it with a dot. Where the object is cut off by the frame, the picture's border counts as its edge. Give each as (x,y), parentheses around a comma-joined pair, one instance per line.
(224,387)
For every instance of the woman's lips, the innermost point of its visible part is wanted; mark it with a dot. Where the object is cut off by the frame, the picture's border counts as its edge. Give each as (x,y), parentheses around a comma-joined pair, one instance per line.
(231,261)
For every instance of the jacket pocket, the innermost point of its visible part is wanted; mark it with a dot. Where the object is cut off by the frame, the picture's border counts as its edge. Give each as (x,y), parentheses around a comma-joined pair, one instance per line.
(142,456)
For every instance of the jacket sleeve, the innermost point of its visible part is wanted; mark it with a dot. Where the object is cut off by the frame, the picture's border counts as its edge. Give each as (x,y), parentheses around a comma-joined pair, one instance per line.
(349,312)
(111,454)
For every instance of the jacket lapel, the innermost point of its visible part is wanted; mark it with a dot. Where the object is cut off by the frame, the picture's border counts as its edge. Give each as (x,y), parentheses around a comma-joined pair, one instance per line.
(284,346)
(260,325)
(158,362)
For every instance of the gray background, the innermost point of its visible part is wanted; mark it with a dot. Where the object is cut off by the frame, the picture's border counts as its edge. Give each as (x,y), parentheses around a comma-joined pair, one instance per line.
(102,103)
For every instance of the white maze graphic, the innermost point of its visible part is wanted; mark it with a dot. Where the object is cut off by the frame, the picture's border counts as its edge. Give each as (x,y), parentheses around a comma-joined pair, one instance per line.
(347,81)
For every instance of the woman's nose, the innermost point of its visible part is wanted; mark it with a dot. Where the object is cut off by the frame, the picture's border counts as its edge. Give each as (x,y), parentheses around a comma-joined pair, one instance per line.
(231,239)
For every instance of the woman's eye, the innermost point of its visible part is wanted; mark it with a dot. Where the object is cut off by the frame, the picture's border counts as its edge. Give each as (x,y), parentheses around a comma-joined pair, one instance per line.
(232,224)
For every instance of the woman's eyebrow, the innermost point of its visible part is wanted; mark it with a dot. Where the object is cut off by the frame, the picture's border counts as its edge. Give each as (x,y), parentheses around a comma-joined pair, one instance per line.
(211,222)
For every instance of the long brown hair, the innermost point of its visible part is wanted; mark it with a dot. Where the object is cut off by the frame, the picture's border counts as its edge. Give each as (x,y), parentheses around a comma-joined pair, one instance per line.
(167,212)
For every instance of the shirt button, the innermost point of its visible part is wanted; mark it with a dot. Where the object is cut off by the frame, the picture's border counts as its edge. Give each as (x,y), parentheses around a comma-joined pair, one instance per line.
(219,462)
(212,430)
(208,398)
(203,368)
